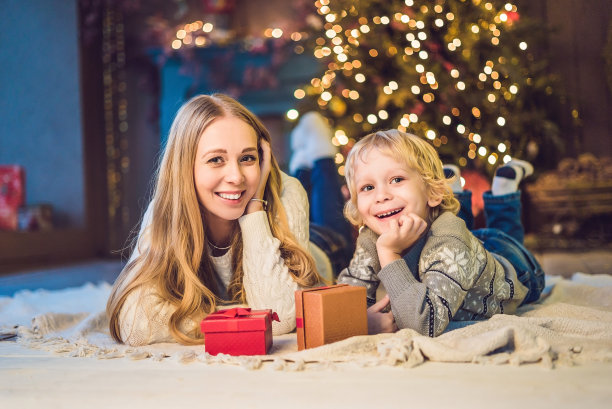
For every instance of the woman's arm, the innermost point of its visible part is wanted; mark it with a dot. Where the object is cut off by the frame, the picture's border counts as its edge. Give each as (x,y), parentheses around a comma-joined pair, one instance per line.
(144,316)
(267,281)
(144,319)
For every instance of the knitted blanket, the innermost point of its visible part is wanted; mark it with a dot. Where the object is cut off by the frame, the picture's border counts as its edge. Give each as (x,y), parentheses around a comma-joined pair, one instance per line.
(571,324)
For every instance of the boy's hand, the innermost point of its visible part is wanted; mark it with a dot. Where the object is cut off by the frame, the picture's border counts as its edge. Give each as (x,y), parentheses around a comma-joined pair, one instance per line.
(400,236)
(379,321)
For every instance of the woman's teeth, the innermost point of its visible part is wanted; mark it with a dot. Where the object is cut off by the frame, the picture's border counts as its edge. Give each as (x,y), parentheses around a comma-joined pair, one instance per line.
(233,196)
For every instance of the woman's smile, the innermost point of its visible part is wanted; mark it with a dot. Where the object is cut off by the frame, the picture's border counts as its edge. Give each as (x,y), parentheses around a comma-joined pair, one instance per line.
(226,170)
(232,197)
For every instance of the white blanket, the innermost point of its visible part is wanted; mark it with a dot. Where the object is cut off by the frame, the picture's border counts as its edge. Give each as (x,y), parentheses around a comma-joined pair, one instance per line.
(571,324)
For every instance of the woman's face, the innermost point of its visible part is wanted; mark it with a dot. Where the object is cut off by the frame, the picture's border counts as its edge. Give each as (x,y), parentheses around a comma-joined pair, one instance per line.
(226,170)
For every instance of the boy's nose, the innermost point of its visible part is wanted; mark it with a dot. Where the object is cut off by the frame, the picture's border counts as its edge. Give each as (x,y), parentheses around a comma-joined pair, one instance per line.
(382,195)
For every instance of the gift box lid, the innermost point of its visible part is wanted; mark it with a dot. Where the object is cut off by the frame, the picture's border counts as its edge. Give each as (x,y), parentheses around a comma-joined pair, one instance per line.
(238,319)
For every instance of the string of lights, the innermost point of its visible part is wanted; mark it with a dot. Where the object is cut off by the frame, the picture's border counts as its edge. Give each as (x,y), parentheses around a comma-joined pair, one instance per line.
(457,72)
(460,73)
(115,116)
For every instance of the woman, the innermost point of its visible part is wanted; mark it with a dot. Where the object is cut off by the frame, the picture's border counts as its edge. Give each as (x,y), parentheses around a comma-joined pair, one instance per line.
(225,225)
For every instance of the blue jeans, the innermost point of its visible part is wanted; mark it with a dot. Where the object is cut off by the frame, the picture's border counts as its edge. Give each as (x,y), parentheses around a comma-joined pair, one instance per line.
(329,230)
(504,236)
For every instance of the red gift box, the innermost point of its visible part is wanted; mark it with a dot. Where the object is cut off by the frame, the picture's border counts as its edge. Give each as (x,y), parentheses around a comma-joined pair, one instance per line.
(12,195)
(238,331)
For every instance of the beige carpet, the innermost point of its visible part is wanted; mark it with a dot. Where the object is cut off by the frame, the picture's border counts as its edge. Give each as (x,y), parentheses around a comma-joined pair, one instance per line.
(572,324)
(57,361)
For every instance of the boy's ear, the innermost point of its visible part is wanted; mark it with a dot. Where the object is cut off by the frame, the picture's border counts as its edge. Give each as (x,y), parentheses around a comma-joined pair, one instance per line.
(435,199)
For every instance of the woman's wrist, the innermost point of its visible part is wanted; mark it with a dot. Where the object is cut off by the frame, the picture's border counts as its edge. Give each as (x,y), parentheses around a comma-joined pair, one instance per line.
(256,205)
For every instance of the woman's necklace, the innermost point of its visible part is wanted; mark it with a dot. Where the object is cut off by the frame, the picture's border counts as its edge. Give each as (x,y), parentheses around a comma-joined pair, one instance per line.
(232,239)
(219,248)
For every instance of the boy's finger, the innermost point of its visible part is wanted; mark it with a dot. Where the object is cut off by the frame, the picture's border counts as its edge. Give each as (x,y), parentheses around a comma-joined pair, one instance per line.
(407,223)
(380,305)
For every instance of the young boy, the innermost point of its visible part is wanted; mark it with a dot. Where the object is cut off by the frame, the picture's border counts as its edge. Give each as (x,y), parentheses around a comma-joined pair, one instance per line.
(434,269)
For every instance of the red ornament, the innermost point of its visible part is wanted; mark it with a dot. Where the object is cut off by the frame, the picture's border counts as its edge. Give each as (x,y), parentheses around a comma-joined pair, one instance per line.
(513,16)
(218,6)
(478,184)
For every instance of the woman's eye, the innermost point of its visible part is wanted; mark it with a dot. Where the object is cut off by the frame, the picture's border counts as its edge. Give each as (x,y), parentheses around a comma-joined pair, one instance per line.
(396,180)
(215,160)
(249,158)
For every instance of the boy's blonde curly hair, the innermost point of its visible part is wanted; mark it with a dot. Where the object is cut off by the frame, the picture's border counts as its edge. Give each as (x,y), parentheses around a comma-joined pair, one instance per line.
(416,154)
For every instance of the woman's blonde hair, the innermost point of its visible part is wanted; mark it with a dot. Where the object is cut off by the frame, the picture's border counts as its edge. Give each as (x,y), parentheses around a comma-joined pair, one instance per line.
(175,263)
(415,153)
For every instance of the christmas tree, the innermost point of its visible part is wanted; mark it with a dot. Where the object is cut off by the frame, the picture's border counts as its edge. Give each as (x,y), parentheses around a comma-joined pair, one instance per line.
(467,75)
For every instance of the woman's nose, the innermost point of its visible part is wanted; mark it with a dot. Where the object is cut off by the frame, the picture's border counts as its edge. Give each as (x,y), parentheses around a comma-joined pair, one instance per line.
(234,173)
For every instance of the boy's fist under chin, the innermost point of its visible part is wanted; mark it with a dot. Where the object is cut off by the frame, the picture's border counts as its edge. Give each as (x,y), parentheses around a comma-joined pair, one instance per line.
(401,233)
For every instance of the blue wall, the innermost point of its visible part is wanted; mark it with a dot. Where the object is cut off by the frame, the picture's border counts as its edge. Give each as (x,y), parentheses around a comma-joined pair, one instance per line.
(179,84)
(40,114)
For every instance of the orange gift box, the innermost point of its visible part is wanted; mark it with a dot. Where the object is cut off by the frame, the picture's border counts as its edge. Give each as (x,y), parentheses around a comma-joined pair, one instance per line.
(329,314)
(238,331)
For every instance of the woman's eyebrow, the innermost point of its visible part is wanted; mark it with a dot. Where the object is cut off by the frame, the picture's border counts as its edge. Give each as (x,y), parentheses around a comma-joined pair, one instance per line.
(220,150)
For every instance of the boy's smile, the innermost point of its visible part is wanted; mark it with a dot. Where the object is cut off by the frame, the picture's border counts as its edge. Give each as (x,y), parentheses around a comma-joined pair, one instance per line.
(387,189)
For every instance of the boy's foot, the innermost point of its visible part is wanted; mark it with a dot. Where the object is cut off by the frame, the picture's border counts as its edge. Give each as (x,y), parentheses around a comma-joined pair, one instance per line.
(508,177)
(299,160)
(453,172)
(310,141)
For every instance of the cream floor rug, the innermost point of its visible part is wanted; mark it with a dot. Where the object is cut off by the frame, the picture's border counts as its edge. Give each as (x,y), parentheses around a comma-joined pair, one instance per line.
(571,324)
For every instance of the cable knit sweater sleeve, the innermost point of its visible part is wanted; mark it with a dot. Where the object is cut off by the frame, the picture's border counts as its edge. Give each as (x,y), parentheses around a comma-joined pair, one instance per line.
(267,280)
(145,315)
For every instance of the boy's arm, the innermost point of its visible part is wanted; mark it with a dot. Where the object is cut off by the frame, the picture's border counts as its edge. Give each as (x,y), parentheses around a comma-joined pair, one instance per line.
(363,266)
(429,306)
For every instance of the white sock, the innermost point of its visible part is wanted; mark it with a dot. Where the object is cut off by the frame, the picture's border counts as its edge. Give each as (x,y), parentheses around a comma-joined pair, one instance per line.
(299,160)
(508,177)
(318,134)
(299,143)
(452,171)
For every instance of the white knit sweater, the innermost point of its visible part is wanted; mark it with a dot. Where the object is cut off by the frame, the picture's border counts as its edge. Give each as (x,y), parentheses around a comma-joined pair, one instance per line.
(144,317)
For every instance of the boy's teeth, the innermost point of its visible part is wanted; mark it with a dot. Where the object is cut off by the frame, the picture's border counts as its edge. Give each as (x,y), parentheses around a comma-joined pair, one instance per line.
(392,212)
(228,196)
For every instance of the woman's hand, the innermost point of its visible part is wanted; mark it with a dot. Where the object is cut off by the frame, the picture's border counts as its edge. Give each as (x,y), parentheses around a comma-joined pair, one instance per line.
(265,165)
(379,321)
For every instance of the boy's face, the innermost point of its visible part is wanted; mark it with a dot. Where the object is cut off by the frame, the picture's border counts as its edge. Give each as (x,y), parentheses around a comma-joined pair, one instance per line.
(386,189)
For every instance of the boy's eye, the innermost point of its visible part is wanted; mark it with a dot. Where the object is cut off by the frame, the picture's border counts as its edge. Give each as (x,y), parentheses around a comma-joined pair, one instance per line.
(366,188)
(397,179)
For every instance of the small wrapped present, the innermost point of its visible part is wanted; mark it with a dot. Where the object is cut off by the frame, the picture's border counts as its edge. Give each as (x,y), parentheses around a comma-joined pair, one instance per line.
(329,314)
(238,331)
(12,195)
(35,217)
